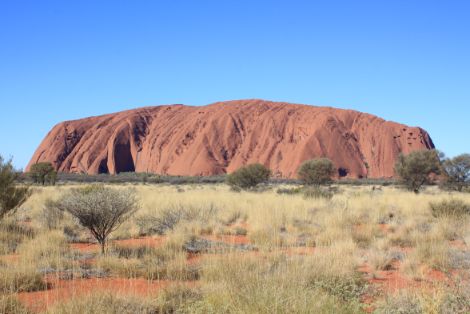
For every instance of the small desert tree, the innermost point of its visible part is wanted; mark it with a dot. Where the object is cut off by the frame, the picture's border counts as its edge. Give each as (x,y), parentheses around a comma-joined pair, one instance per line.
(417,168)
(99,209)
(457,171)
(43,172)
(12,196)
(316,171)
(249,176)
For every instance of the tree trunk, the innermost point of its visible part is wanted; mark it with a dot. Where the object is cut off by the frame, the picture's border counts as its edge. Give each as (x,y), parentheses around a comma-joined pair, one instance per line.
(103,245)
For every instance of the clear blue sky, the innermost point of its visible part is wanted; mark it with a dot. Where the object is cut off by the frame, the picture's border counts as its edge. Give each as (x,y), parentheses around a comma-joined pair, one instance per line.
(404,60)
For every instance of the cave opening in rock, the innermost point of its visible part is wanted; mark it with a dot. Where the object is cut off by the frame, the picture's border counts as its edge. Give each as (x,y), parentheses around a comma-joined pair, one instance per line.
(103,168)
(342,172)
(123,158)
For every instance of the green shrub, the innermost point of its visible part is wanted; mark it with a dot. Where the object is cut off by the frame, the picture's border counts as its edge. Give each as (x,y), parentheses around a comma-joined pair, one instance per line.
(416,169)
(316,171)
(457,171)
(99,209)
(249,176)
(43,172)
(289,191)
(12,196)
(450,208)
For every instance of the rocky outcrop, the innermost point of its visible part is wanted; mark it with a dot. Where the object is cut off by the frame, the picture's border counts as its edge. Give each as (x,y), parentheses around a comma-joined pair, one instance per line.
(221,137)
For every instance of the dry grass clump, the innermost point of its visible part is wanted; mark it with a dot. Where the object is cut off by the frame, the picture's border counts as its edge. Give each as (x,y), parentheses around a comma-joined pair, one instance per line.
(441,300)
(12,235)
(364,235)
(384,259)
(47,250)
(15,279)
(268,239)
(435,254)
(274,284)
(10,305)
(450,208)
(167,219)
(167,262)
(318,193)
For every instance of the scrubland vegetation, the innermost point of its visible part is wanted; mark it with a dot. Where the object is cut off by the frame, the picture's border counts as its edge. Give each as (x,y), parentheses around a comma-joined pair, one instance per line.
(249,246)
(209,249)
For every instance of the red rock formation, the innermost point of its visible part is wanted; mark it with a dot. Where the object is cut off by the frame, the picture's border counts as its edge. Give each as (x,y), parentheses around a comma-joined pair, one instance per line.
(219,138)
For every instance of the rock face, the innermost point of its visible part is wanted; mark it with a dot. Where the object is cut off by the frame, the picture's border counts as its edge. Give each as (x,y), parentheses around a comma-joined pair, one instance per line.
(221,137)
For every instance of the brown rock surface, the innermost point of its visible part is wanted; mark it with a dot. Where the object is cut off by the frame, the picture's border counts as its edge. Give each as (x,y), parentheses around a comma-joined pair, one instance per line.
(221,137)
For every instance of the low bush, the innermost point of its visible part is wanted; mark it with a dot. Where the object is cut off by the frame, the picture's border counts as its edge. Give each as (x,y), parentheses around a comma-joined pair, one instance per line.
(20,279)
(12,235)
(167,219)
(249,176)
(316,171)
(289,191)
(11,305)
(318,192)
(51,216)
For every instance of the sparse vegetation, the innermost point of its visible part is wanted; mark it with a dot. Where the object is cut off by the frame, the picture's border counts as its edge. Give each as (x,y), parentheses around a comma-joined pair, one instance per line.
(206,249)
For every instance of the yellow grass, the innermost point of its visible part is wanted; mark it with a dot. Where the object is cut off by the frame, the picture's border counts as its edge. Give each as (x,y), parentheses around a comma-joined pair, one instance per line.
(357,227)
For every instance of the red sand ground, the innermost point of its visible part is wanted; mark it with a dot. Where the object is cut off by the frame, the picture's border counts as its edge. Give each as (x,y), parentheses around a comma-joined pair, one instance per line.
(230,239)
(135,242)
(66,289)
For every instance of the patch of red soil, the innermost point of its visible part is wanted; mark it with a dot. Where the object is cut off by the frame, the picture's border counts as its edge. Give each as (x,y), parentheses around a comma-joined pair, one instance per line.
(10,258)
(85,247)
(394,280)
(193,259)
(142,241)
(231,239)
(459,244)
(135,242)
(385,228)
(63,290)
